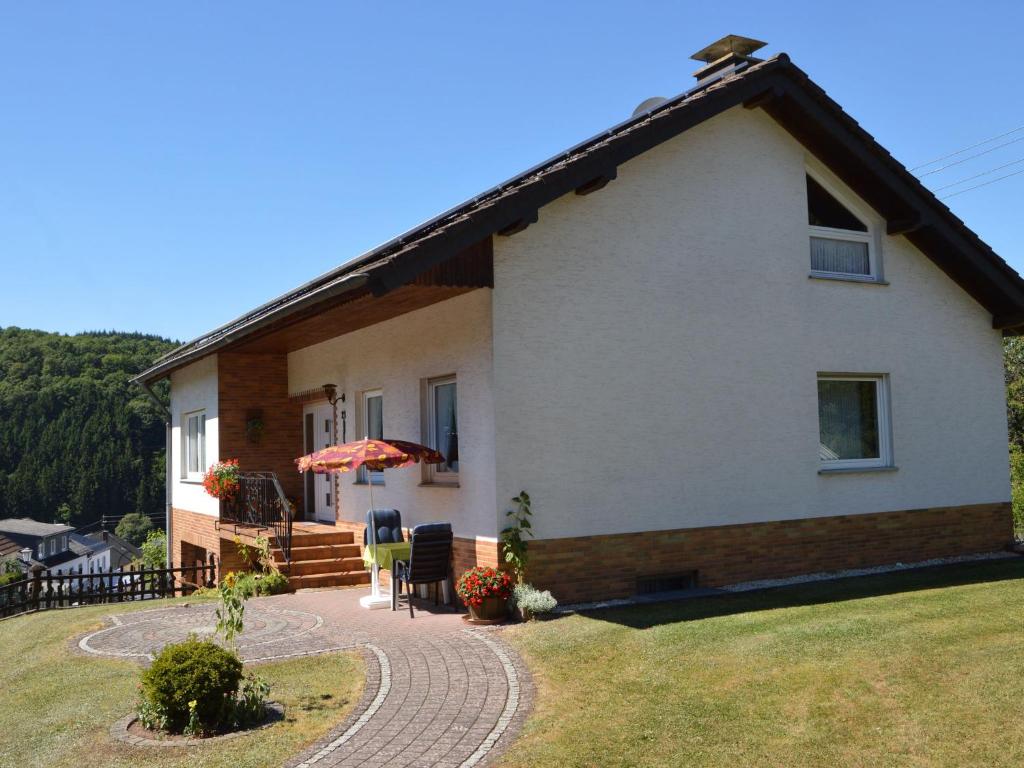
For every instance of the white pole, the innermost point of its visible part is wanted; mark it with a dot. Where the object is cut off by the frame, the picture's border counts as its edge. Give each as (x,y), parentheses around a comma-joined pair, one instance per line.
(375,572)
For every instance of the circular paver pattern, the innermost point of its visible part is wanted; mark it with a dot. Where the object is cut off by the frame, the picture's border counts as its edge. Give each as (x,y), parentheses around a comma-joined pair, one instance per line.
(437,694)
(269,632)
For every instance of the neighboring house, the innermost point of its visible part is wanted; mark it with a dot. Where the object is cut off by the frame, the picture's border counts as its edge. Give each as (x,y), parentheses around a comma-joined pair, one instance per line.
(119,553)
(50,543)
(58,549)
(730,337)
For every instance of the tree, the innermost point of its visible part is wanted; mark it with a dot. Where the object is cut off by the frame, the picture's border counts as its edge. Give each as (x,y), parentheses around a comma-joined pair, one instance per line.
(154,550)
(134,528)
(74,430)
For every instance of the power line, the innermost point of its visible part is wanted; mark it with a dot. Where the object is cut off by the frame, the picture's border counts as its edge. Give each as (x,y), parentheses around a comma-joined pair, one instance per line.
(979,175)
(983,184)
(967,149)
(971,157)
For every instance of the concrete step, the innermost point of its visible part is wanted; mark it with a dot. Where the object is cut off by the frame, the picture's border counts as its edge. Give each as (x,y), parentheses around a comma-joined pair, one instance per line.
(320,552)
(329,565)
(306,539)
(351,579)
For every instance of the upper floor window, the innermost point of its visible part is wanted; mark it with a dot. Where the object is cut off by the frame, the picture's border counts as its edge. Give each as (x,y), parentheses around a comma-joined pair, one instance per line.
(193,455)
(841,242)
(443,428)
(853,421)
(42,549)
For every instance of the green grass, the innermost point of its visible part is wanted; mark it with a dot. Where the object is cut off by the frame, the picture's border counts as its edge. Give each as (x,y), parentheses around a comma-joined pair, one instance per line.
(57,706)
(921,668)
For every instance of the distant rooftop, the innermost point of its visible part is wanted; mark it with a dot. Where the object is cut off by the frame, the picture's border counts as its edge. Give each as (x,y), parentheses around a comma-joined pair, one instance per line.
(26,526)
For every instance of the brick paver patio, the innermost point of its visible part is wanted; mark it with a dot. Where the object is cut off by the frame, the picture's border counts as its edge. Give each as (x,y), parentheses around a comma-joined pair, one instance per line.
(437,693)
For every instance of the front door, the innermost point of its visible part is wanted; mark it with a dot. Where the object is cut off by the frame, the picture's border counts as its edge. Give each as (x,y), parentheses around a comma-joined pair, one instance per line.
(318,430)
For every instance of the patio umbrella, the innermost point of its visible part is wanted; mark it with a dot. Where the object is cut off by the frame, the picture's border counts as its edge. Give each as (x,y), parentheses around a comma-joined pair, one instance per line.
(376,456)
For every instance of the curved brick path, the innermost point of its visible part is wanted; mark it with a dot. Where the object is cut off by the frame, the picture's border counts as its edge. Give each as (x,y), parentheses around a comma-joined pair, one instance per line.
(437,693)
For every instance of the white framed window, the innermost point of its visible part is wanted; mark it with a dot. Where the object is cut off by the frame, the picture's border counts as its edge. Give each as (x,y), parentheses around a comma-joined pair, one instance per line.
(442,428)
(372,408)
(63,543)
(42,549)
(854,424)
(53,546)
(842,243)
(193,448)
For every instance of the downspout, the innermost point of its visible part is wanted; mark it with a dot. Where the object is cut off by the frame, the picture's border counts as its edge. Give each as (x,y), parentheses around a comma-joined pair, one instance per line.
(168,485)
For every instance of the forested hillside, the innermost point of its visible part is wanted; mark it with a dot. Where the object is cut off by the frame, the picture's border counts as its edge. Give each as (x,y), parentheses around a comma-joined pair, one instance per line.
(77,439)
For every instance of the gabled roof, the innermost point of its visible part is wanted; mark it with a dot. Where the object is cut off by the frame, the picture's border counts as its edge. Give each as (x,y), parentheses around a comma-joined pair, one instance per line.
(24,526)
(776,85)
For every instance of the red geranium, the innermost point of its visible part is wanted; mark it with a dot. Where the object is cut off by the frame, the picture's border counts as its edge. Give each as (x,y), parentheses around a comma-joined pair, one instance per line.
(221,479)
(480,582)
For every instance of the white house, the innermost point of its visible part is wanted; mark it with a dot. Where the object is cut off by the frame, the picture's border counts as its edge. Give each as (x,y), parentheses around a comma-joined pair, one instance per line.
(730,338)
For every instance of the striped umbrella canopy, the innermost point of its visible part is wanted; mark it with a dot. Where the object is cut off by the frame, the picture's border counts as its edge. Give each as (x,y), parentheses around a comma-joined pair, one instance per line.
(375,455)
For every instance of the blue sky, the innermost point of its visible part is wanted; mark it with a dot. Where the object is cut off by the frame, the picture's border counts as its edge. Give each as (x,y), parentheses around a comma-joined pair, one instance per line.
(165,167)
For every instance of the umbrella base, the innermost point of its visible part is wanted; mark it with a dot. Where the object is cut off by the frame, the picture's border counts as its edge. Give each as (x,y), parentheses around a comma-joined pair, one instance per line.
(375,601)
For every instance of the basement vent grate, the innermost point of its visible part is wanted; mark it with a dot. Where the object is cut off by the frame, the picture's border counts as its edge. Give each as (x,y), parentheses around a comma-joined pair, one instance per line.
(666,582)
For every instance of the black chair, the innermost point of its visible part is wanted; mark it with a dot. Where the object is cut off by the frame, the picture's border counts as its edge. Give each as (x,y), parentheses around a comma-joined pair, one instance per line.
(389,526)
(430,554)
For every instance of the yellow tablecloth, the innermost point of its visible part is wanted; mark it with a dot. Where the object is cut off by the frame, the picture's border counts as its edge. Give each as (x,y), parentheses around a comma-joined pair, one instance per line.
(385,555)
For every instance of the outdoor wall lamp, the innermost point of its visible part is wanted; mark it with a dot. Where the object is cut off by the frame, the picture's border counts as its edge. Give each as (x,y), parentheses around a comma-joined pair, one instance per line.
(331,391)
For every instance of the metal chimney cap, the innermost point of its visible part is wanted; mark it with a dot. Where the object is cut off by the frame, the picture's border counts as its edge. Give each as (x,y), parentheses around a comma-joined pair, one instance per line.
(744,46)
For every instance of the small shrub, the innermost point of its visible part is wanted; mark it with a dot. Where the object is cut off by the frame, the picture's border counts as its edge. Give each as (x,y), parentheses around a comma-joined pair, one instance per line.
(251,704)
(198,671)
(271,583)
(154,549)
(1017,489)
(9,577)
(533,602)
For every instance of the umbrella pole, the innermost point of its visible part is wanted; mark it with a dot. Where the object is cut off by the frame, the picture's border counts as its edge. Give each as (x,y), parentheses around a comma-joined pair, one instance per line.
(374,599)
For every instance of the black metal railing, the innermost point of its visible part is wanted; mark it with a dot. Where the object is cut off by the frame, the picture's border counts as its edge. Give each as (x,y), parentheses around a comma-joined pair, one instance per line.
(41,590)
(260,502)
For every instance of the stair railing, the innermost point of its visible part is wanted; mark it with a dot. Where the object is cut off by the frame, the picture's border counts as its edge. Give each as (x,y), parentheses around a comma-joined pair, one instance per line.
(260,502)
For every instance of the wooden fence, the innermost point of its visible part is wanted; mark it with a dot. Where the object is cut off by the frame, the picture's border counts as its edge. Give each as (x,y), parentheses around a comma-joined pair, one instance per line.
(42,590)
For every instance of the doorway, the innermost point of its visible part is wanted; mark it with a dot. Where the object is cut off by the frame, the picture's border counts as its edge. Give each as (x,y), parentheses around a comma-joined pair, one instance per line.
(318,433)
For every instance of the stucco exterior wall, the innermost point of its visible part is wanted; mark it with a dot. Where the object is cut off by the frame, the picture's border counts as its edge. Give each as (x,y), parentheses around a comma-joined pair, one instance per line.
(656,347)
(194,388)
(396,356)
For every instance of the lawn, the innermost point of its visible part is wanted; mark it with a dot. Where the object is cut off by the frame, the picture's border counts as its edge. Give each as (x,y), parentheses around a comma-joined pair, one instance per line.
(921,668)
(57,706)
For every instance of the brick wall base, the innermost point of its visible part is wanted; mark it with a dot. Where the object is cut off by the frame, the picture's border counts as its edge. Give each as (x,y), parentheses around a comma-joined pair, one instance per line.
(191,530)
(603,567)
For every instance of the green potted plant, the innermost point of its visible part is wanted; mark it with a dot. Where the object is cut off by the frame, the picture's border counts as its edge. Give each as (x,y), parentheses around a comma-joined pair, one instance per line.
(486,592)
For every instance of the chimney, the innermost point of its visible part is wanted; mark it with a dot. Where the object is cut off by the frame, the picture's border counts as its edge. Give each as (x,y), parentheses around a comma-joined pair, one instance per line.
(724,57)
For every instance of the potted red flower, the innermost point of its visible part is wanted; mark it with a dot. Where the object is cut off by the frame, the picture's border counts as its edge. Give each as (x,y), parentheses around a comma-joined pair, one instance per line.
(221,479)
(486,592)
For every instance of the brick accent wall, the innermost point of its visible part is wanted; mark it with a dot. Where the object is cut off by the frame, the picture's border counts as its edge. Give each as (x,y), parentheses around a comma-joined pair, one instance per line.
(190,530)
(256,386)
(603,567)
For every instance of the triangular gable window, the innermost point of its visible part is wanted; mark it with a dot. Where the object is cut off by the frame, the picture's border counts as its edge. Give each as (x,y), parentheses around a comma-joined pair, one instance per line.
(823,210)
(840,240)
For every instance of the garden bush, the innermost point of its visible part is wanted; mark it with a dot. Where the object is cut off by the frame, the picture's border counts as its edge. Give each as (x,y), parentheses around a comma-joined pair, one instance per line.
(195,672)
(532,602)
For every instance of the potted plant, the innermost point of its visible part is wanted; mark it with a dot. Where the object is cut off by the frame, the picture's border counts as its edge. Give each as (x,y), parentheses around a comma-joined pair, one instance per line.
(486,592)
(221,479)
